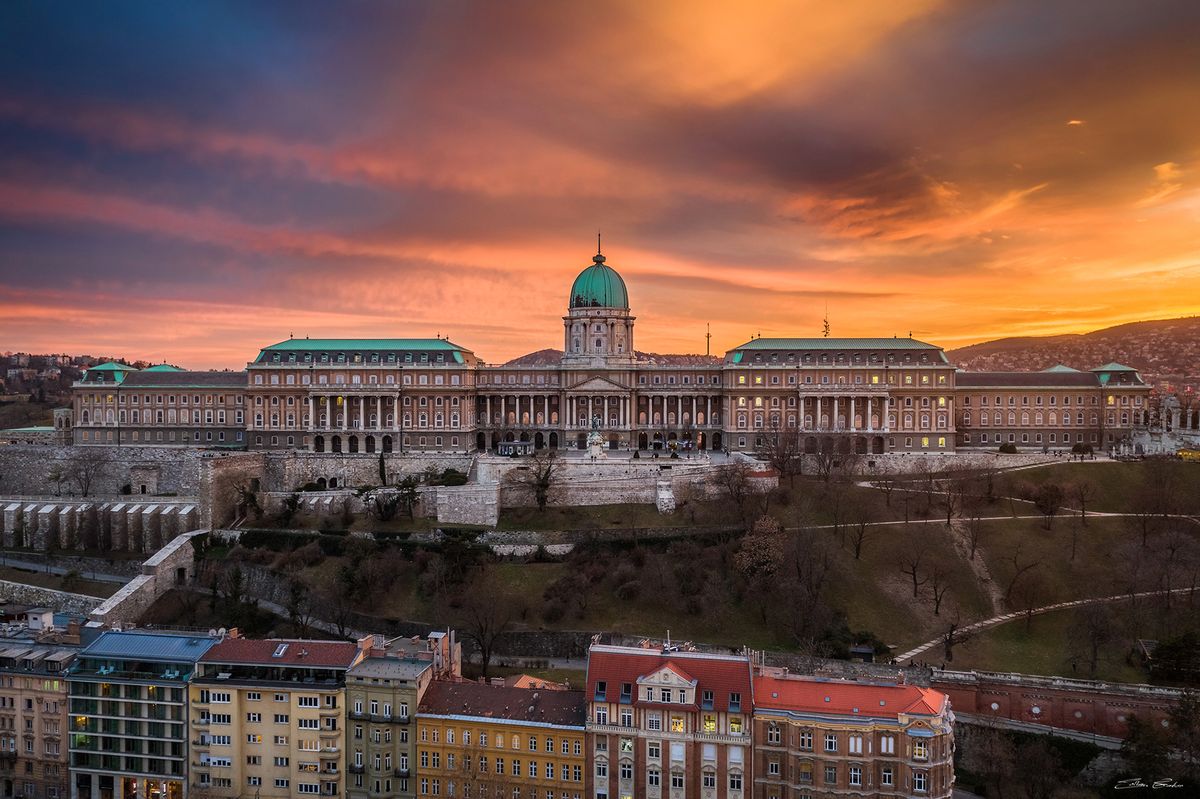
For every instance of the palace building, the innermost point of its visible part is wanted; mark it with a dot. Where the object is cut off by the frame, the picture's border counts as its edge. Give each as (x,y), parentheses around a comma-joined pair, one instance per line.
(867,395)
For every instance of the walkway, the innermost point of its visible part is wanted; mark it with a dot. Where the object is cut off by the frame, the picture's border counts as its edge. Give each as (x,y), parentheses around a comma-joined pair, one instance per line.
(1007,617)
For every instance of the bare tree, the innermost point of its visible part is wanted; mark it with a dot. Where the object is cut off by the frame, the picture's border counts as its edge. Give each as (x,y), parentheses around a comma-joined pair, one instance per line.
(1019,569)
(1090,636)
(782,449)
(807,562)
(488,612)
(862,529)
(1048,499)
(973,528)
(734,482)
(939,585)
(1083,491)
(539,480)
(911,564)
(85,468)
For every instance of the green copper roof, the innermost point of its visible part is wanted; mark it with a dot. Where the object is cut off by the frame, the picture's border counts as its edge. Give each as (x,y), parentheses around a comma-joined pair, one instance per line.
(1114,367)
(836,344)
(162,367)
(315,344)
(119,370)
(1059,367)
(598,286)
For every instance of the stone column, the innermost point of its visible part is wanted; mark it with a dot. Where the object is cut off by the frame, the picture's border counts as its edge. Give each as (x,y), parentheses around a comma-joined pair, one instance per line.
(345,413)
(852,427)
(378,412)
(708,410)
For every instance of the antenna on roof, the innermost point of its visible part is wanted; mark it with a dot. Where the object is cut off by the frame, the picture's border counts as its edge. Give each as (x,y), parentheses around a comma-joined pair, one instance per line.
(825,322)
(708,338)
(598,241)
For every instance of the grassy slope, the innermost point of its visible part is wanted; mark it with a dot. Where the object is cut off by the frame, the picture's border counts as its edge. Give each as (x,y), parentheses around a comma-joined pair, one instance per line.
(78,586)
(1117,483)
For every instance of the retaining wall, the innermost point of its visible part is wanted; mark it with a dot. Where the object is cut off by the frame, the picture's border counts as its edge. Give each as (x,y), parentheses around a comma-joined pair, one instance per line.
(171,566)
(62,601)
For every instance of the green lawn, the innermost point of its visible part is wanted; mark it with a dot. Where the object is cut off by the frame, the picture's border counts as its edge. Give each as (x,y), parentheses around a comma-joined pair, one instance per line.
(75,585)
(1041,647)
(1117,483)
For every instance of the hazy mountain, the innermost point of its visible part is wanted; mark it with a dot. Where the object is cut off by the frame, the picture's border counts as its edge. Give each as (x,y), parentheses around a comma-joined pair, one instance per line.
(1163,350)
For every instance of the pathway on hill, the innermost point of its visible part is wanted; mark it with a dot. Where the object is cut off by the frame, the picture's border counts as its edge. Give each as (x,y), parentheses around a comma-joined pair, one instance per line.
(995,621)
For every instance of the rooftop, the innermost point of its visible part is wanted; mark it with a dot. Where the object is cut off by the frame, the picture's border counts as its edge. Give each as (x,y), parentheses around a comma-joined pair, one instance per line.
(178,378)
(148,646)
(564,708)
(1045,379)
(283,652)
(389,668)
(368,344)
(721,674)
(845,698)
(895,343)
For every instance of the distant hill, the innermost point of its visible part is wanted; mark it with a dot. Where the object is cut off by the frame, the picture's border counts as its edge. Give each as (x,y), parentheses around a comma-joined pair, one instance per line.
(1163,350)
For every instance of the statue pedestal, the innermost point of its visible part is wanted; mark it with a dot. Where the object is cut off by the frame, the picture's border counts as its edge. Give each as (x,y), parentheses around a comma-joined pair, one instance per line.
(595,443)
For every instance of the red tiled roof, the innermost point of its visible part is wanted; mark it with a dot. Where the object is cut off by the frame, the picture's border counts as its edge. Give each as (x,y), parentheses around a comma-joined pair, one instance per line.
(807,695)
(498,702)
(720,674)
(317,654)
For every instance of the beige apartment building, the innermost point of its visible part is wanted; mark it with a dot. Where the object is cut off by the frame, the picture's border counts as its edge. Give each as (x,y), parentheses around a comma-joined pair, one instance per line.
(383,691)
(267,718)
(33,719)
(364,396)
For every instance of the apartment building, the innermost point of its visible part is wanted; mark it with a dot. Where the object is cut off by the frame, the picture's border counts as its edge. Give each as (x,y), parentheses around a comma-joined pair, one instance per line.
(668,724)
(817,738)
(33,719)
(129,721)
(479,741)
(267,717)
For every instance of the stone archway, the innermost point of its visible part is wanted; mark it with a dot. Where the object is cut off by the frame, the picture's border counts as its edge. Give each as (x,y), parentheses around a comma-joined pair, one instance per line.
(480,442)
(387,443)
(321,483)
(581,441)
(353,442)
(554,441)
(524,436)
(539,441)
(335,444)
(495,440)
(642,441)
(877,445)
(509,437)
(370,443)
(716,441)
(318,443)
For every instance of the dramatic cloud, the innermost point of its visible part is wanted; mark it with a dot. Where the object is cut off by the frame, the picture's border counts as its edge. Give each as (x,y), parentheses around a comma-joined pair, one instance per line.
(190,182)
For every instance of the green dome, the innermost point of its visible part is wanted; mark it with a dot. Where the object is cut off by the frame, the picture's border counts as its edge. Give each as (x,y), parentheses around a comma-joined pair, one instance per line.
(598,286)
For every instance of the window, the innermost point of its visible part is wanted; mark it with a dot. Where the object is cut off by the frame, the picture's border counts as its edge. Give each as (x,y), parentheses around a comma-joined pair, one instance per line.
(885,776)
(920,750)
(735,781)
(830,742)
(855,775)
(920,781)
(806,739)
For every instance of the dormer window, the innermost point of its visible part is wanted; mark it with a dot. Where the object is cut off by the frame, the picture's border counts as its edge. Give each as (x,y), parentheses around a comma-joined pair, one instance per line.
(601,691)
(735,703)
(664,694)
(707,701)
(626,692)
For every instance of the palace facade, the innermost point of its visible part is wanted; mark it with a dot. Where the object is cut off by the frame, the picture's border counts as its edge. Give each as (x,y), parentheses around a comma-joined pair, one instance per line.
(870,395)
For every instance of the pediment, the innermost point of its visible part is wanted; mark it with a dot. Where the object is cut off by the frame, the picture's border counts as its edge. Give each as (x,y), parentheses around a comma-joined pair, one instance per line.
(598,384)
(667,676)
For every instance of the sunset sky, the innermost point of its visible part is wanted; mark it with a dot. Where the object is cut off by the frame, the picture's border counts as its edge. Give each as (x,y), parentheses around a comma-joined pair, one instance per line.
(191,181)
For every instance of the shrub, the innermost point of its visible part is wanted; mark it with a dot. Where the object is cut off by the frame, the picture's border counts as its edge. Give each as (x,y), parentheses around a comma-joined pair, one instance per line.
(1008,448)
(553,611)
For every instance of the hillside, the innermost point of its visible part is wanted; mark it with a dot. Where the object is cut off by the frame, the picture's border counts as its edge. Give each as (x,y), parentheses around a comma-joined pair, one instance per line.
(1163,350)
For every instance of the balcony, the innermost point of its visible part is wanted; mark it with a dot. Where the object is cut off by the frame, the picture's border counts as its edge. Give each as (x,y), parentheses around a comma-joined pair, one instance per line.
(400,772)
(724,738)
(358,715)
(356,769)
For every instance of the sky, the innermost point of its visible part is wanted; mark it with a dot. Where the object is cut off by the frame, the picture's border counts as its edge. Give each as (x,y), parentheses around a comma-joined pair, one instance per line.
(189,182)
